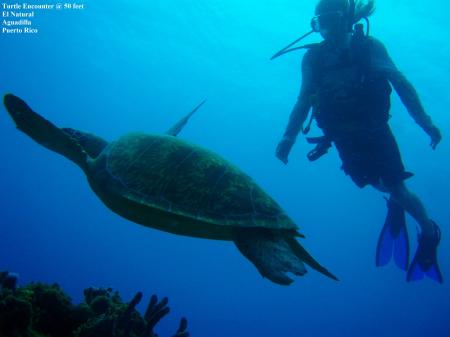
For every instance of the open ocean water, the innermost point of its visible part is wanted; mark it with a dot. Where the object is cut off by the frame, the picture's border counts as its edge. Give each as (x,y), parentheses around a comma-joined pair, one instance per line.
(120,66)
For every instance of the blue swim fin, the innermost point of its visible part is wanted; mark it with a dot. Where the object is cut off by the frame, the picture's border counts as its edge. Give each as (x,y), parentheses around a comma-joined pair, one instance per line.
(393,240)
(425,261)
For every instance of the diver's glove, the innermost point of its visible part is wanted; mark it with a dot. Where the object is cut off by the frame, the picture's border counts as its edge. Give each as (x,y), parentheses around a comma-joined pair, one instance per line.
(284,147)
(435,135)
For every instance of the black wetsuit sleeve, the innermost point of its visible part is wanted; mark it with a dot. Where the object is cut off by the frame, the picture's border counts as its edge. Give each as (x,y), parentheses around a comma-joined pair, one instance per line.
(303,105)
(381,61)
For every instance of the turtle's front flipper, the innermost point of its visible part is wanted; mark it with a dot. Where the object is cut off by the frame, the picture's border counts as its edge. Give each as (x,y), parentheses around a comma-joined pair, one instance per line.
(92,144)
(176,129)
(274,254)
(43,131)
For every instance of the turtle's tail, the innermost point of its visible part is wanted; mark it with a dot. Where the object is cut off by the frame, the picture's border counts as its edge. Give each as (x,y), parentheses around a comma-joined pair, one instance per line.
(275,254)
(42,131)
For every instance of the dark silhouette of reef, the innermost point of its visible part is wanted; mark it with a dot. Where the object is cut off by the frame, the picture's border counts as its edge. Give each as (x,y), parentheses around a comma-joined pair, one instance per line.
(41,310)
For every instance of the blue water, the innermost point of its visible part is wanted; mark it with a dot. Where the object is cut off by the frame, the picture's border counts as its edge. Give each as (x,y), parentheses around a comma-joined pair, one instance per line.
(122,66)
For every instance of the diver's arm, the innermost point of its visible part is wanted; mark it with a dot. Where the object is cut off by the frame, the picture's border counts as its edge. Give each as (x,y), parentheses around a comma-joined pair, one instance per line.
(406,91)
(299,112)
(410,99)
(298,116)
(303,105)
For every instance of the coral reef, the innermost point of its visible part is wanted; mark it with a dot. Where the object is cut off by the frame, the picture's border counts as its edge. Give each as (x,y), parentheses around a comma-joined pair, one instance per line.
(8,280)
(41,310)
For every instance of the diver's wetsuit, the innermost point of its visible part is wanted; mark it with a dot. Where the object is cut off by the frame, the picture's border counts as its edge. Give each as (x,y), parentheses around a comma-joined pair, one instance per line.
(350,91)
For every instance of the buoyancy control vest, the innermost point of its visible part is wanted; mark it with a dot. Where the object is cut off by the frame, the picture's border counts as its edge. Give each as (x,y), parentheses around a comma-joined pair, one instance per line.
(350,94)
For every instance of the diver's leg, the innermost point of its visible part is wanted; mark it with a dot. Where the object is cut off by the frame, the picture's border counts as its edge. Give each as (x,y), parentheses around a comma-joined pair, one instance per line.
(389,166)
(393,241)
(413,205)
(425,260)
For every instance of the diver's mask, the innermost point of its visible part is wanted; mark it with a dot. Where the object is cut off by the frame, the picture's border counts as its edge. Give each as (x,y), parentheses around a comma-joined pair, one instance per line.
(330,21)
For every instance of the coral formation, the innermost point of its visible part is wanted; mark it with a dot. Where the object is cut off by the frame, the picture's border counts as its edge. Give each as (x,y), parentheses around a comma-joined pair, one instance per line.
(40,310)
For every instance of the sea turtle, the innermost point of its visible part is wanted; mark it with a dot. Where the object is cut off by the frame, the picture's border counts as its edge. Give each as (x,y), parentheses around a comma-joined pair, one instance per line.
(162,182)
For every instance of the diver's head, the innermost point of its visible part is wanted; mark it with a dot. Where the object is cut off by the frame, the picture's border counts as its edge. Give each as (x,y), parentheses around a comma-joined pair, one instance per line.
(335,18)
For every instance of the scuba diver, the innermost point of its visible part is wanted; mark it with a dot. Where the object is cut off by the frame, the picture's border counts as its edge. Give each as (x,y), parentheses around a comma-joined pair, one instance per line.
(346,81)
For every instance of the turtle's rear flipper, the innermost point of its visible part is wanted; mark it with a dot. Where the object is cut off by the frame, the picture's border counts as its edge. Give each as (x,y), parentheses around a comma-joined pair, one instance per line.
(43,131)
(274,255)
(270,253)
(303,255)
